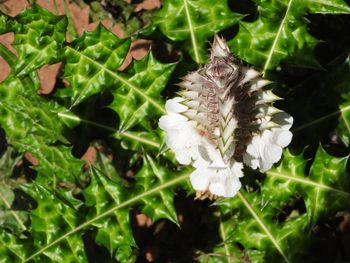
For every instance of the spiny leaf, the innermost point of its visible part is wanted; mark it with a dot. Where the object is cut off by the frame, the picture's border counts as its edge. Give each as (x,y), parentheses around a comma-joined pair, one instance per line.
(194,22)
(54,163)
(159,187)
(253,223)
(132,105)
(24,114)
(280,32)
(52,215)
(344,123)
(115,231)
(160,206)
(10,218)
(11,250)
(92,61)
(261,222)
(39,36)
(138,140)
(324,190)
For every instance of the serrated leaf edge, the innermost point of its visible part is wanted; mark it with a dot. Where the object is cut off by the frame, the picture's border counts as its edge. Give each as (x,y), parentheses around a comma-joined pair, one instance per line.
(261,223)
(275,42)
(190,28)
(308,182)
(119,78)
(108,212)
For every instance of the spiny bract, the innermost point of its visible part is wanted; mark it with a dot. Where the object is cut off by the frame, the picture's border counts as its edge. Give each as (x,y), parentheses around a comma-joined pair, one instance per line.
(223,118)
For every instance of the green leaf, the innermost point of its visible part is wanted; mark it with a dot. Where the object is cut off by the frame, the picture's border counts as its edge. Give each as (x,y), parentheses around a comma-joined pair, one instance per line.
(140,140)
(160,206)
(325,189)
(250,221)
(39,36)
(194,21)
(132,105)
(11,250)
(11,219)
(54,162)
(24,114)
(52,216)
(262,223)
(115,231)
(344,123)
(280,32)
(92,61)
(160,188)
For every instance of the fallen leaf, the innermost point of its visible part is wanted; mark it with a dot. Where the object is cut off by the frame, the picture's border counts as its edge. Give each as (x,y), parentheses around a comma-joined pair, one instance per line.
(31,159)
(147,5)
(89,156)
(5,69)
(138,49)
(143,220)
(47,75)
(14,7)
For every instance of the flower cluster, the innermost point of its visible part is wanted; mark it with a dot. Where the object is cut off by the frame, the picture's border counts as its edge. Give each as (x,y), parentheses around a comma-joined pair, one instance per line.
(223,118)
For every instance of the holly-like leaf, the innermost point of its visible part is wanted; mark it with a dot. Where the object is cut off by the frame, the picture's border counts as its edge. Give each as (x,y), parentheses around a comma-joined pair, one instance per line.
(263,224)
(113,232)
(344,123)
(161,206)
(250,221)
(108,201)
(11,219)
(281,32)
(52,216)
(133,104)
(54,162)
(25,114)
(39,38)
(92,62)
(325,189)
(193,22)
(11,250)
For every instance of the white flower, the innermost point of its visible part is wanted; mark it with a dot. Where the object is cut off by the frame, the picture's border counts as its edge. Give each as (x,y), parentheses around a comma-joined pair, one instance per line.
(219,182)
(222,117)
(265,148)
(212,175)
(181,136)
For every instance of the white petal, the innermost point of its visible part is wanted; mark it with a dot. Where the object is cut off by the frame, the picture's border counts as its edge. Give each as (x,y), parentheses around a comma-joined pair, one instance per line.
(224,183)
(174,105)
(172,121)
(284,120)
(283,138)
(200,179)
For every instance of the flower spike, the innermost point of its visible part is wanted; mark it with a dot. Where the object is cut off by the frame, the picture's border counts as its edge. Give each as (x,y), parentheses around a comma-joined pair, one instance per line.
(223,118)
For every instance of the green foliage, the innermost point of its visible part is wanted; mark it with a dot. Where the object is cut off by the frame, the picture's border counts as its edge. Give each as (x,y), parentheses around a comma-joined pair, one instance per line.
(113,232)
(36,47)
(10,218)
(262,222)
(71,208)
(344,123)
(280,32)
(324,190)
(92,61)
(193,22)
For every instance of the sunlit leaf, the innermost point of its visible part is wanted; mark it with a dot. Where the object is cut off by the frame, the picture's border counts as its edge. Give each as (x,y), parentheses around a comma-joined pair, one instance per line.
(280,32)
(193,22)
